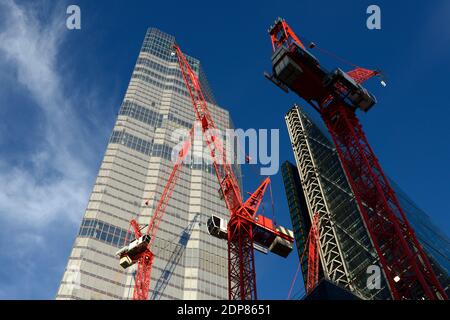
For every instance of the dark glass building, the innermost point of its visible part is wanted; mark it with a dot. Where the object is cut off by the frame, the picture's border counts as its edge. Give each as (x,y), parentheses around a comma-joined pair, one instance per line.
(298,210)
(318,184)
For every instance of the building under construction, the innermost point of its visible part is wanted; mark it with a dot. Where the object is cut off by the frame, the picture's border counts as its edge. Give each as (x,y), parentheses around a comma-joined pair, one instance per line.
(355,252)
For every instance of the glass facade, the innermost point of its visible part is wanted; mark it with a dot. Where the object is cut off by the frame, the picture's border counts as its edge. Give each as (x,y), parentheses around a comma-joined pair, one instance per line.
(298,211)
(188,262)
(351,233)
(433,240)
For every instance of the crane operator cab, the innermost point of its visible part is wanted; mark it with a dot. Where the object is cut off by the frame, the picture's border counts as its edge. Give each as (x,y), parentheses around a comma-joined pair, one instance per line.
(129,253)
(217,227)
(349,90)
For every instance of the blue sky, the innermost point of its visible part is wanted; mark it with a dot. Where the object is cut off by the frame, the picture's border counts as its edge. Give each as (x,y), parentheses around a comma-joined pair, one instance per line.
(60,91)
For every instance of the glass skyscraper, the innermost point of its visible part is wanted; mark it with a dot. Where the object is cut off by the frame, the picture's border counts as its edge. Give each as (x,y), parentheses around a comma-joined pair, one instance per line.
(318,184)
(188,262)
(298,210)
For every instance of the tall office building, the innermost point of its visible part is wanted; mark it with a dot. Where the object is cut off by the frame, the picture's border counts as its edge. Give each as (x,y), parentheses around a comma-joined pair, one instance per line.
(188,262)
(298,210)
(318,184)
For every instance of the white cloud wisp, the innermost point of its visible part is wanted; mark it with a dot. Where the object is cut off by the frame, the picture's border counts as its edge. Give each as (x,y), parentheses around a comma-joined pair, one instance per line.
(30,47)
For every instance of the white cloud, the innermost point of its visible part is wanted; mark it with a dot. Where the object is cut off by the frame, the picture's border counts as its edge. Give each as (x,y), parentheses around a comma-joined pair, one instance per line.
(30,47)
(43,190)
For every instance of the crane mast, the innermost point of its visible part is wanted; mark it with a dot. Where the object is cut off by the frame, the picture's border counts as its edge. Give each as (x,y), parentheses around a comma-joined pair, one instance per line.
(336,95)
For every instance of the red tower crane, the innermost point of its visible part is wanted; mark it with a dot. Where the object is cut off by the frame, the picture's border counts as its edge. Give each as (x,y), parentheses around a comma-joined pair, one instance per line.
(336,95)
(244,229)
